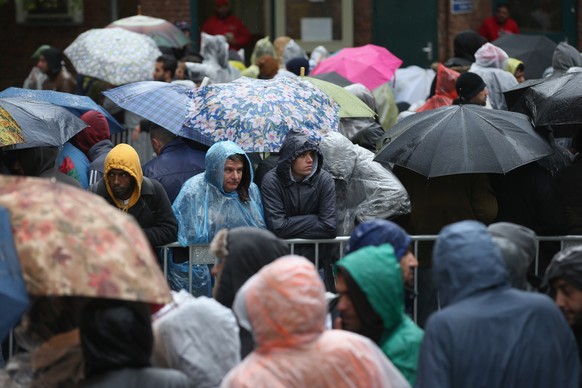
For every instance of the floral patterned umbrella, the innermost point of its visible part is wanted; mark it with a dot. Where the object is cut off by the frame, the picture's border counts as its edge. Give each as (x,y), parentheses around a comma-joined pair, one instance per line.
(161,31)
(73,243)
(257,114)
(114,55)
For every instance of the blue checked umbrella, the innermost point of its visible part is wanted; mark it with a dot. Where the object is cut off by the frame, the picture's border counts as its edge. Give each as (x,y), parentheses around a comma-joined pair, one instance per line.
(257,114)
(42,123)
(74,103)
(114,55)
(160,102)
(13,296)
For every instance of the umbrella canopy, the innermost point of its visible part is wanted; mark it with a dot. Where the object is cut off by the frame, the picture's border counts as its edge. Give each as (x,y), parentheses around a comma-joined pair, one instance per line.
(350,105)
(161,31)
(42,123)
(71,242)
(369,65)
(257,114)
(13,297)
(333,77)
(114,55)
(75,103)
(163,103)
(555,101)
(10,131)
(536,51)
(462,139)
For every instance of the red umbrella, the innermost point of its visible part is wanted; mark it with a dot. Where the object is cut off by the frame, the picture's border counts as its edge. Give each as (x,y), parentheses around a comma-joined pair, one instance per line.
(369,65)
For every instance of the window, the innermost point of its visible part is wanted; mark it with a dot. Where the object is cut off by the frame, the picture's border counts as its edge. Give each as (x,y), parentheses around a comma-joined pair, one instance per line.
(49,11)
(316,22)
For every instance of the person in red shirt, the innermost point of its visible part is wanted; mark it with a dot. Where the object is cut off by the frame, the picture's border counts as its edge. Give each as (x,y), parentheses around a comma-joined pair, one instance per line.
(495,26)
(223,22)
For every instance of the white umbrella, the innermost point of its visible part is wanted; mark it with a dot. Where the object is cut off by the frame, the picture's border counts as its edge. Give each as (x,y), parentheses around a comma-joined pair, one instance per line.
(114,55)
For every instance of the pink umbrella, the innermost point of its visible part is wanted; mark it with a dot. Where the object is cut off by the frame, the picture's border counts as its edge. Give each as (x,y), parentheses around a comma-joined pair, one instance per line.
(369,65)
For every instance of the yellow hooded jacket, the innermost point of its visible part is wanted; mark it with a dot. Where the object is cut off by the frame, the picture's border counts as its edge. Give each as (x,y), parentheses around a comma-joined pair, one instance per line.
(124,157)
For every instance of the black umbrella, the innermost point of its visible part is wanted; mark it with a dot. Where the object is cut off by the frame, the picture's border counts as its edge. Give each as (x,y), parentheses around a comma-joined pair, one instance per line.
(463,139)
(555,101)
(536,51)
(334,78)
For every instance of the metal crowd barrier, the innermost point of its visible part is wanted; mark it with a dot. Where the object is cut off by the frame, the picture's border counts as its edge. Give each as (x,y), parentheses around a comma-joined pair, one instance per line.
(200,253)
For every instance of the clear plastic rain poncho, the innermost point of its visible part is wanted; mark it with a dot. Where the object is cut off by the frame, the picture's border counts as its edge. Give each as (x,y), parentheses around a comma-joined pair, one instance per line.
(490,64)
(364,189)
(284,306)
(197,336)
(202,207)
(214,50)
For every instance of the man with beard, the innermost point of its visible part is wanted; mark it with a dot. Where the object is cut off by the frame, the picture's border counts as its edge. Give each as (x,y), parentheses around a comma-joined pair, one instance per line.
(564,276)
(125,187)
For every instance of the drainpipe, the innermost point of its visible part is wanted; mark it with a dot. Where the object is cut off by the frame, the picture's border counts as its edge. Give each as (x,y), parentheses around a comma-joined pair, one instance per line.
(114,14)
(194,23)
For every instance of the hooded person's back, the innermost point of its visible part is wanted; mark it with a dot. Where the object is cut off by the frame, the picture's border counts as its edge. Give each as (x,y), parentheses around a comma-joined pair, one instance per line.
(247,251)
(197,336)
(95,142)
(285,306)
(364,189)
(117,341)
(214,50)
(565,56)
(488,334)
(377,273)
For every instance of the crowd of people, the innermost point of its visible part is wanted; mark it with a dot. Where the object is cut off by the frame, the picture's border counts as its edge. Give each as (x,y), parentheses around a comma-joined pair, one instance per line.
(469,309)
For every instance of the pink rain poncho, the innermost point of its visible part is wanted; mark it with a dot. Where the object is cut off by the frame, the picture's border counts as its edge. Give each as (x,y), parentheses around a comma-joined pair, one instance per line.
(284,306)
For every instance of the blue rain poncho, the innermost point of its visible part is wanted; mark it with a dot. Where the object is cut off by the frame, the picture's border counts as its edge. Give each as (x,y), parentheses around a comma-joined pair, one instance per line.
(202,207)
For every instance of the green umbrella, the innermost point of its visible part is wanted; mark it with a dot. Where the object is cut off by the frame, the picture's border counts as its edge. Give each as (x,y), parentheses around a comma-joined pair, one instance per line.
(350,105)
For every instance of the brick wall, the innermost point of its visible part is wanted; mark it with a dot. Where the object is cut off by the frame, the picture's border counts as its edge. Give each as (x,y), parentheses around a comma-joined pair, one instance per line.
(171,10)
(362,22)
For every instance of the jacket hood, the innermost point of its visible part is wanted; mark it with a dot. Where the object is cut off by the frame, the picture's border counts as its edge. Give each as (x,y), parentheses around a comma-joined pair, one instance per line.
(518,248)
(262,47)
(340,155)
(466,261)
(124,157)
(115,335)
(377,272)
(363,93)
(490,55)
(566,264)
(285,303)
(294,144)
(97,130)
(214,49)
(191,325)
(249,250)
(445,91)
(466,43)
(378,232)
(565,57)
(54,58)
(513,64)
(215,161)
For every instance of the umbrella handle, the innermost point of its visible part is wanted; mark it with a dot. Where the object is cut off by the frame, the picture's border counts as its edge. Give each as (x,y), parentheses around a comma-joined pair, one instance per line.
(204,82)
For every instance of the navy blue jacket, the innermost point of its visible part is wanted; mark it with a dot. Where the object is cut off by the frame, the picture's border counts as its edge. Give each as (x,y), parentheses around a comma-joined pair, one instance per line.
(489,334)
(175,164)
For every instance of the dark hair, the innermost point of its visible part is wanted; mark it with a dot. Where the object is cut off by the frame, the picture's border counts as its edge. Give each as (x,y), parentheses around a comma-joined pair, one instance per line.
(169,63)
(162,134)
(245,182)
